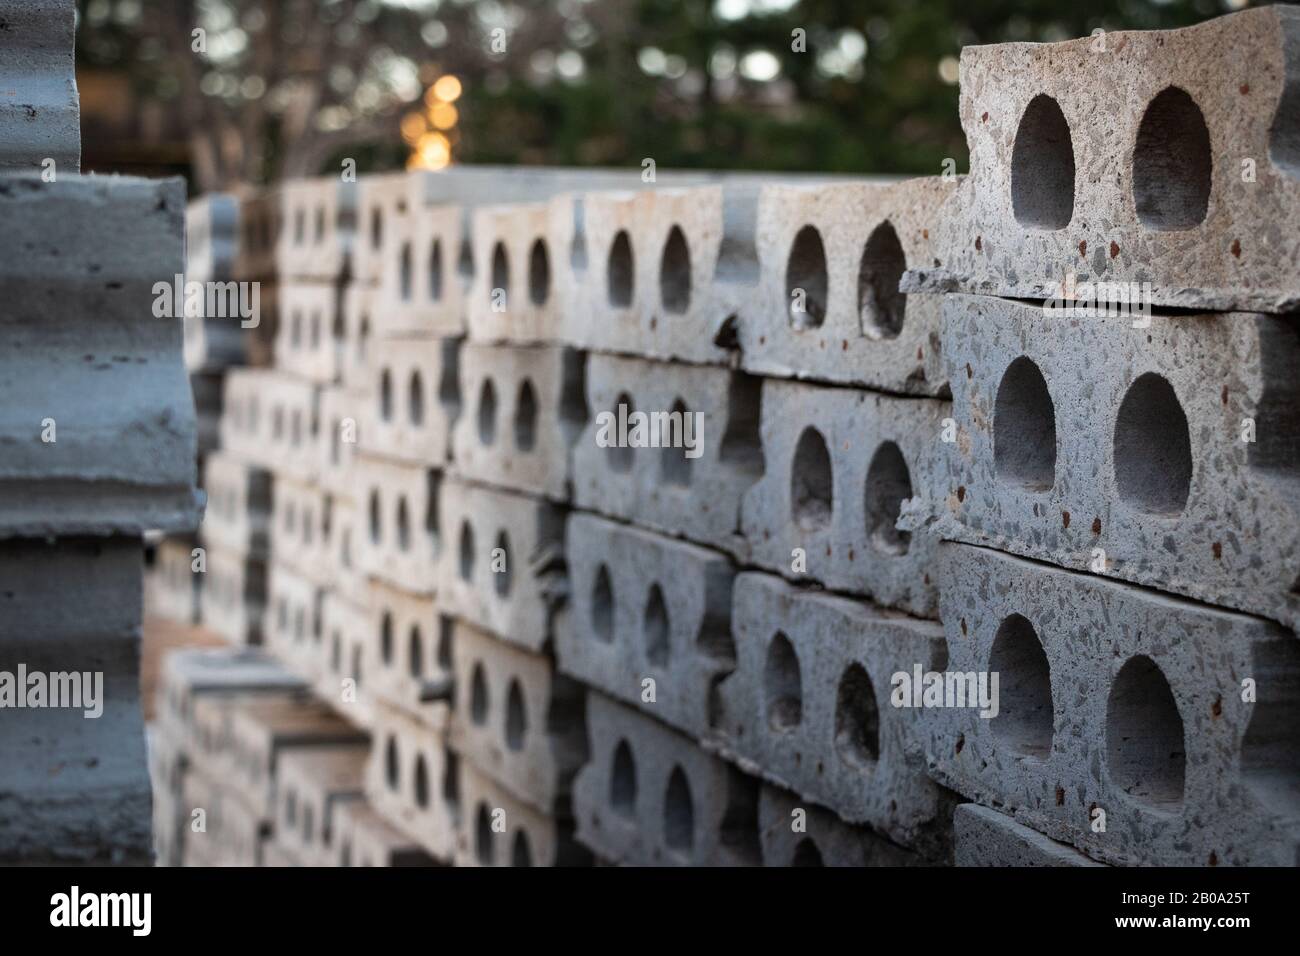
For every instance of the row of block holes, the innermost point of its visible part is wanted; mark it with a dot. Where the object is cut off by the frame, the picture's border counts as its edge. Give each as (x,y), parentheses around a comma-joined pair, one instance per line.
(857,717)
(516,717)
(437,269)
(501,579)
(674,467)
(1172,165)
(485,838)
(678,805)
(420,776)
(888,484)
(415,653)
(525,418)
(300,226)
(1151,445)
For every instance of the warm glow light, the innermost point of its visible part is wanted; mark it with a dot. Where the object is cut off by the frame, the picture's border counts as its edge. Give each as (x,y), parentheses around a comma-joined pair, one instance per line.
(443,116)
(413,127)
(433,151)
(446,89)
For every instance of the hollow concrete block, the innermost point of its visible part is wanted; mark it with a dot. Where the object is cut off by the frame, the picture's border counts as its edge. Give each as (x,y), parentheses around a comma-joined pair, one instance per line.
(826,305)
(318,219)
(98,422)
(525,408)
(501,561)
(513,297)
(383,201)
(650,796)
(312,785)
(343,413)
(412,400)
(795,832)
(344,680)
(232,598)
(1189,182)
(809,707)
(517,719)
(310,338)
(171,586)
(1140,728)
(40,118)
(409,646)
(238,515)
(984,837)
(411,782)
(662,489)
(364,838)
(293,624)
(645,608)
(273,422)
(497,829)
(1099,446)
(400,536)
(838,464)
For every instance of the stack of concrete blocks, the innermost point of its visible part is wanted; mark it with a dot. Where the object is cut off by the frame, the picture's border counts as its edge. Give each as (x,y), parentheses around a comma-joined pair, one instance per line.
(99,434)
(1120,533)
(738,611)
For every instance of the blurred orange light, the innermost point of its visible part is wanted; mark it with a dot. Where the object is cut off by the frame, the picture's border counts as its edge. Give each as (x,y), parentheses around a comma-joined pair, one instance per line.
(443,116)
(447,89)
(433,151)
(413,127)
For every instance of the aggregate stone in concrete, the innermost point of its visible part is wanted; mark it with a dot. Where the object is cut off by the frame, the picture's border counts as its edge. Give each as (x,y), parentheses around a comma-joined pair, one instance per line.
(501,561)
(400,537)
(661,488)
(1169,723)
(40,118)
(293,624)
(1082,436)
(264,729)
(75,789)
(1163,157)
(312,785)
(98,419)
(649,796)
(645,608)
(809,706)
(309,339)
(273,422)
(517,719)
(523,410)
(238,515)
(408,658)
(826,304)
(411,779)
(497,829)
(838,463)
(985,837)
(317,227)
(411,401)
(232,599)
(795,832)
(364,838)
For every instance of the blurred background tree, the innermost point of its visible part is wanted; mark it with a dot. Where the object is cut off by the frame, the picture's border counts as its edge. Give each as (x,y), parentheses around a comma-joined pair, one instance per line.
(233,91)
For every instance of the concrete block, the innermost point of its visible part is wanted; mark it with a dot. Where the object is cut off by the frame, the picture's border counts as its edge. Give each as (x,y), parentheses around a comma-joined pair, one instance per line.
(188,674)
(383,201)
(103,439)
(1119,707)
(426,269)
(345,678)
(208,389)
(264,729)
(838,465)
(809,706)
(293,625)
(342,558)
(412,399)
(401,530)
(826,304)
(410,780)
(238,515)
(496,829)
(984,837)
(501,562)
(661,488)
(301,528)
(525,409)
(366,839)
(1075,436)
(361,315)
(651,797)
(232,598)
(319,222)
(171,587)
(647,608)
(310,338)
(313,784)
(75,787)
(342,413)
(1191,188)
(409,644)
(273,422)
(274,855)
(211,237)
(517,719)
(797,833)
(513,296)
(40,118)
